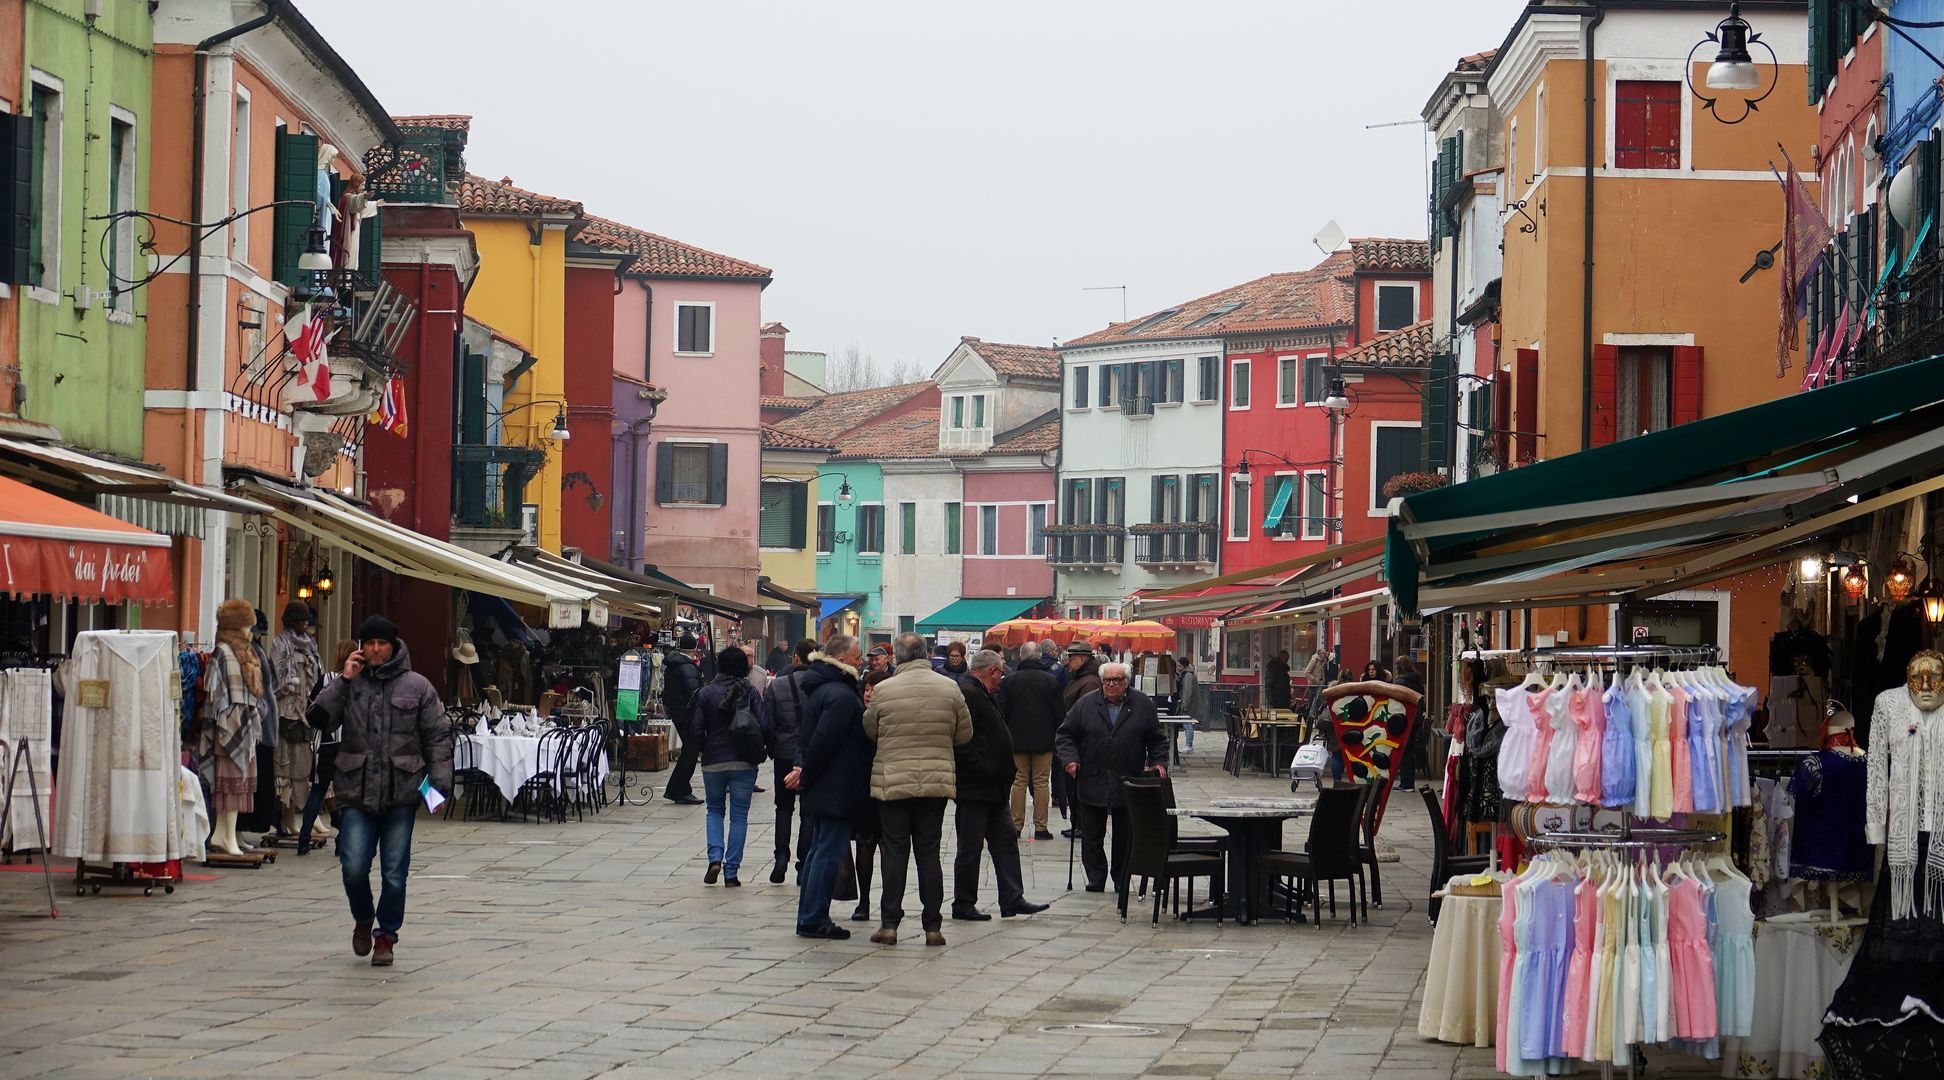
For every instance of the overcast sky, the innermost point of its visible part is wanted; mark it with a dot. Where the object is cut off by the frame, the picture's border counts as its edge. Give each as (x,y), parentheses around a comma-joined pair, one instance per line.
(917,171)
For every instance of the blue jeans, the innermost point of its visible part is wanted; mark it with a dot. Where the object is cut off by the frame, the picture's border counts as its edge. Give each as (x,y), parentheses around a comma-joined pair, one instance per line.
(734,787)
(389,835)
(829,842)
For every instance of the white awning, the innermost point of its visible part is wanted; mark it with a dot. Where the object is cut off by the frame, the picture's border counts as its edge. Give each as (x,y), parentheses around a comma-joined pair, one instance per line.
(621,597)
(137,494)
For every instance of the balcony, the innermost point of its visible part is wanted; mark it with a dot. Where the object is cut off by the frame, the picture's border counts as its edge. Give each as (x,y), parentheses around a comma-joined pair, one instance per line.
(1175,545)
(1911,321)
(427,166)
(1098,547)
(488,487)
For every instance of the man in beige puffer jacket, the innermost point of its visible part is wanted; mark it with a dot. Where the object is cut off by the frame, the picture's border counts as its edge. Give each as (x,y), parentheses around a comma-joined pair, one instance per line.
(916,718)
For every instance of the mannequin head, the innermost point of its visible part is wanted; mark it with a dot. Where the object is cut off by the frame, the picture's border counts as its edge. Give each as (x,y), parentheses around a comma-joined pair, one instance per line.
(1839,728)
(1925,680)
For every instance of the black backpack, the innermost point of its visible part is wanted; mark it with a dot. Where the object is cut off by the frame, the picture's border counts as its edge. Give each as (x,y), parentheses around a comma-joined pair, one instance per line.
(745,731)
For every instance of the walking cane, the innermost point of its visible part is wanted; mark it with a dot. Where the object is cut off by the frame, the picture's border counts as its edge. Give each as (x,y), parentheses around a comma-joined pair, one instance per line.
(1072,842)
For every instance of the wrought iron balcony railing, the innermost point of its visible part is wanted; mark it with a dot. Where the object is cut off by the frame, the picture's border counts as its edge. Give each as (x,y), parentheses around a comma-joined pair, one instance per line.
(489,482)
(1096,550)
(425,167)
(1187,546)
(1910,321)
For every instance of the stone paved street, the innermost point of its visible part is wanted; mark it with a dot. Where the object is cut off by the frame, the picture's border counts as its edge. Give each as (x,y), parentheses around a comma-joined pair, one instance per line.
(594,949)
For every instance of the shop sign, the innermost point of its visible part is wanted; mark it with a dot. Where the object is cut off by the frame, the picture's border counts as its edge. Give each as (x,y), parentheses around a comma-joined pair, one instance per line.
(972,639)
(1188,622)
(110,572)
(597,612)
(563,615)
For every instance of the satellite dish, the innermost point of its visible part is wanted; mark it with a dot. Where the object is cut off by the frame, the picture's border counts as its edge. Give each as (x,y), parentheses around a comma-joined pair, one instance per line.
(1330,237)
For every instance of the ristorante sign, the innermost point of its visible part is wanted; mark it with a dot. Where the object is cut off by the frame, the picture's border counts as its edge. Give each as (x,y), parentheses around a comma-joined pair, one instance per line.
(85,570)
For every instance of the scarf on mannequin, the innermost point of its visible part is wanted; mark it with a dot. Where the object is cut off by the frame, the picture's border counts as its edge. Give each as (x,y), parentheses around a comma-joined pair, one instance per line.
(1905,797)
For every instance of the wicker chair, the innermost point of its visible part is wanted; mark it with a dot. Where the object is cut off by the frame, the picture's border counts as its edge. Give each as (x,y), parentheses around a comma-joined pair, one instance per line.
(1331,855)
(1152,855)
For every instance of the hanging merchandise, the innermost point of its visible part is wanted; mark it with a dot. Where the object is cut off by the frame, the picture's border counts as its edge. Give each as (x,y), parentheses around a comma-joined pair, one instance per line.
(118,798)
(27,719)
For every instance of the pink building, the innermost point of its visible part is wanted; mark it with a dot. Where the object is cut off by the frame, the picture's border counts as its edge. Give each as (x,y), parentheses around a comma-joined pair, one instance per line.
(999,415)
(699,342)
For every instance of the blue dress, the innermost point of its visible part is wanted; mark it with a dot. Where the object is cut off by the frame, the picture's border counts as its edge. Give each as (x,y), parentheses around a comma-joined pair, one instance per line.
(1617,750)
(1704,764)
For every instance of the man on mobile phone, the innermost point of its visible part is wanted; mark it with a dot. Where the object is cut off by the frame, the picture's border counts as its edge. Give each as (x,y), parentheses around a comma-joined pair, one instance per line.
(395,740)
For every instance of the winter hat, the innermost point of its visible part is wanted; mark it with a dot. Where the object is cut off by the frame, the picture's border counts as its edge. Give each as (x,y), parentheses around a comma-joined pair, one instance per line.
(733,662)
(377,626)
(296,613)
(235,615)
(1080,648)
(687,643)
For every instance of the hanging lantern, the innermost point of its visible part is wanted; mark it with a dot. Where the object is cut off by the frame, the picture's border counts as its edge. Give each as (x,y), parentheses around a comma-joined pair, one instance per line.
(1898,582)
(325,583)
(304,591)
(1855,582)
(1810,569)
(1932,598)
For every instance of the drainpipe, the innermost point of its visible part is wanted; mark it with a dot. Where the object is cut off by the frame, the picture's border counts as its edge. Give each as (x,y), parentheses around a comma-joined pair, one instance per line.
(648,334)
(1586,273)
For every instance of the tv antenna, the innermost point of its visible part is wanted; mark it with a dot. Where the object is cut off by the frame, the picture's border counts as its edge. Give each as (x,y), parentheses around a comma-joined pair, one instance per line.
(1111,288)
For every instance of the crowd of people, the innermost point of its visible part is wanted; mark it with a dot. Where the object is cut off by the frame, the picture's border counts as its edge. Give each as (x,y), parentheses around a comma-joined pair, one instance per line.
(869,748)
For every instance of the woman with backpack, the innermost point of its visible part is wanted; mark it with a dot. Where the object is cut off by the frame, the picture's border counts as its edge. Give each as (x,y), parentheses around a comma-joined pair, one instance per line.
(733,729)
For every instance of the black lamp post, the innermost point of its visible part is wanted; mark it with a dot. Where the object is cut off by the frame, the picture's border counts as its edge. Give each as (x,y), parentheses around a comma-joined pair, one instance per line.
(1734,67)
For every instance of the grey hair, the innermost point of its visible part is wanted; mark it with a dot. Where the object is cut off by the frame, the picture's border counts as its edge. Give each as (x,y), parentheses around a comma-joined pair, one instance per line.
(1126,672)
(983,659)
(909,647)
(838,646)
(1048,647)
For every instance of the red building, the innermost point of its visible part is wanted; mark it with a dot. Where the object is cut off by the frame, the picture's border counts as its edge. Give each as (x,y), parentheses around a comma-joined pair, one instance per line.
(588,385)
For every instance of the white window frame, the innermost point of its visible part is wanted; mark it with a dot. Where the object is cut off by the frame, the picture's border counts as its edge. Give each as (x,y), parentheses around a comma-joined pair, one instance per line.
(1382,511)
(1198,399)
(955,412)
(1238,529)
(1303,367)
(982,412)
(49,182)
(1035,539)
(1228,653)
(704,504)
(1538,131)
(1086,396)
(1295,502)
(241,117)
(984,549)
(121,301)
(1636,69)
(1322,528)
(676,327)
(858,529)
(1242,381)
(1377,303)
(1296,390)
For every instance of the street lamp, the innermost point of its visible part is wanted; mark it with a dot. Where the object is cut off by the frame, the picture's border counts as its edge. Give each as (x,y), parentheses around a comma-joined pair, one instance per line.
(1733,68)
(559,432)
(1338,398)
(315,256)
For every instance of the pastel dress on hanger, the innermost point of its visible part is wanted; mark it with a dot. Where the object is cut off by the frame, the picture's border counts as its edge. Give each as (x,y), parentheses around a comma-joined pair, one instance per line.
(1599,979)
(1627,1014)
(1563,752)
(1649,1028)
(1704,761)
(1740,713)
(1515,749)
(1692,960)
(1734,952)
(1588,709)
(1521,978)
(1659,703)
(1508,963)
(1540,704)
(1677,748)
(1663,963)
(1579,971)
(1617,748)
(1542,1027)
(1640,702)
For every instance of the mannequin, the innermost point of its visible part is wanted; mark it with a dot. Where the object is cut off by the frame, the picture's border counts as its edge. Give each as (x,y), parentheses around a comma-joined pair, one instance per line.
(299,671)
(227,737)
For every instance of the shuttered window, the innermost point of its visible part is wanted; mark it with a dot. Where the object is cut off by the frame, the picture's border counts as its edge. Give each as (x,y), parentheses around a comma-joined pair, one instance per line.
(1078,377)
(1394,450)
(826,527)
(1211,379)
(1646,124)
(695,474)
(784,505)
(954,522)
(908,528)
(16,198)
(296,210)
(988,530)
(695,328)
(1035,524)
(870,529)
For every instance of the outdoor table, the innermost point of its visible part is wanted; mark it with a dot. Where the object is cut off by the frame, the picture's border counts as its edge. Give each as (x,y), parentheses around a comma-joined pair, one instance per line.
(1461,986)
(511,760)
(1276,721)
(1254,826)
(1174,724)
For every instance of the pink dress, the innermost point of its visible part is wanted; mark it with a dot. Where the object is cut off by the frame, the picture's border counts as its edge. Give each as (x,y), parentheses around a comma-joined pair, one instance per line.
(1508,955)
(1579,968)
(1691,960)
(1678,753)
(1536,703)
(1589,716)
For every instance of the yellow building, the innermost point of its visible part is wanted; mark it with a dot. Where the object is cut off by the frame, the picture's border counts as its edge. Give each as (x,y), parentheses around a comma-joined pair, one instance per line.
(787,528)
(521,292)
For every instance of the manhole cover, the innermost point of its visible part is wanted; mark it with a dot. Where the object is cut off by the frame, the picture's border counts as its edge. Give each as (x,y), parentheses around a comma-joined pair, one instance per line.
(1097,1029)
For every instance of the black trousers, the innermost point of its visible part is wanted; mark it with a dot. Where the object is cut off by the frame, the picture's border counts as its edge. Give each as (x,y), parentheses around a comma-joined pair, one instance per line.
(786,801)
(681,778)
(986,825)
(1093,830)
(911,827)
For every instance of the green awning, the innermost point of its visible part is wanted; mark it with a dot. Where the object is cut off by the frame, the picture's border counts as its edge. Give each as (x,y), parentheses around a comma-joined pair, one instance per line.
(977,614)
(1280,505)
(1791,444)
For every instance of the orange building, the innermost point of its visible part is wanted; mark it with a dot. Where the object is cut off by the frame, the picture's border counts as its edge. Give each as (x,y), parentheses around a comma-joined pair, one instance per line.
(1659,321)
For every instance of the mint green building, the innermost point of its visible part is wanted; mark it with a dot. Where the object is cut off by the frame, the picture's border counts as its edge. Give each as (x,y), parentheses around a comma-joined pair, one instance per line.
(850,551)
(80,130)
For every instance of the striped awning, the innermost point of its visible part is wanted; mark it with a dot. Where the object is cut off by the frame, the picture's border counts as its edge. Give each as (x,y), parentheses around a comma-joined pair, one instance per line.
(169,519)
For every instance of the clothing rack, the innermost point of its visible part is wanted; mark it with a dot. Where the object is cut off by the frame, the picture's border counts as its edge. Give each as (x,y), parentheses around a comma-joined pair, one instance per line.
(1616,653)
(1628,837)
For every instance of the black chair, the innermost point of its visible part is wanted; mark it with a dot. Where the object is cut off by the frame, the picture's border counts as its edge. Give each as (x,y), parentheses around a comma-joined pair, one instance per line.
(1240,743)
(471,785)
(544,793)
(1367,842)
(1445,865)
(1152,854)
(1331,855)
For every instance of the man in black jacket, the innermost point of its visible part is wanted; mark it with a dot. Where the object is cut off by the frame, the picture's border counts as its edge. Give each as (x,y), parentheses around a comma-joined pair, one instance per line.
(681,680)
(832,776)
(1030,700)
(783,700)
(1109,734)
(985,776)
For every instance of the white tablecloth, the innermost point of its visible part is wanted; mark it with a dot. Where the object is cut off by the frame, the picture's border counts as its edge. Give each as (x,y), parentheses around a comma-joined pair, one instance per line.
(511,760)
(1799,962)
(1461,987)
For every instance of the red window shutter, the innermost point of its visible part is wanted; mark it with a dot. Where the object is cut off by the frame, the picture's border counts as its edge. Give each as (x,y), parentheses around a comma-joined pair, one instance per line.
(1606,399)
(1525,411)
(1501,418)
(1686,388)
(1646,125)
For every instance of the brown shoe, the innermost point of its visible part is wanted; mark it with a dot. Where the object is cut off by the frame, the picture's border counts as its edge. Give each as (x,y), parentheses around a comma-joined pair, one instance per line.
(934,938)
(381,951)
(884,935)
(361,939)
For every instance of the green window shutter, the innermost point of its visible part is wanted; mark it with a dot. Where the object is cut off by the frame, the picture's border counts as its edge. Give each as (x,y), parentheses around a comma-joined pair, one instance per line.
(371,248)
(953,522)
(296,180)
(1439,384)
(775,524)
(1820,28)
(908,528)
(16,198)
(799,511)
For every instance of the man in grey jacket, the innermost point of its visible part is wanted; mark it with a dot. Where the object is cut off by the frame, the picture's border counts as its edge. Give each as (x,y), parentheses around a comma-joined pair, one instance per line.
(395,738)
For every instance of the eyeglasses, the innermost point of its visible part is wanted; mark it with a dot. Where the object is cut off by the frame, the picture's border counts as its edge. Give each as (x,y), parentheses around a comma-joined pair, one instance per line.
(1114,678)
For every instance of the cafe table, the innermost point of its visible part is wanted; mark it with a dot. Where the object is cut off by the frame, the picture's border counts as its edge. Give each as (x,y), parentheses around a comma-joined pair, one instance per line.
(1254,825)
(1273,722)
(1174,723)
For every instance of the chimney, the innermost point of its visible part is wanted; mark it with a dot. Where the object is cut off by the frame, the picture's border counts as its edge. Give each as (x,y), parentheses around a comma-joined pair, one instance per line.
(774,335)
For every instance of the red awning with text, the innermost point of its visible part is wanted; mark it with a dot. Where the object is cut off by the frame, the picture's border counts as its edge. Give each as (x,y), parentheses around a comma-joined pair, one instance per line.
(60,548)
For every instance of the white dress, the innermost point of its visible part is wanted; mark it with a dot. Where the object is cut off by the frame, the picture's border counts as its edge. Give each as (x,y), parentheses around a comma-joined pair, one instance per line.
(118,799)
(1515,750)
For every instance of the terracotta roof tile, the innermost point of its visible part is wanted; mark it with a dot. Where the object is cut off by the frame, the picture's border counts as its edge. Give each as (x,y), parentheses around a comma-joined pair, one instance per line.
(658,255)
(1411,347)
(776,439)
(1476,61)
(773,401)
(1025,361)
(1041,438)
(1318,297)
(912,434)
(450,123)
(1383,253)
(478,195)
(833,415)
